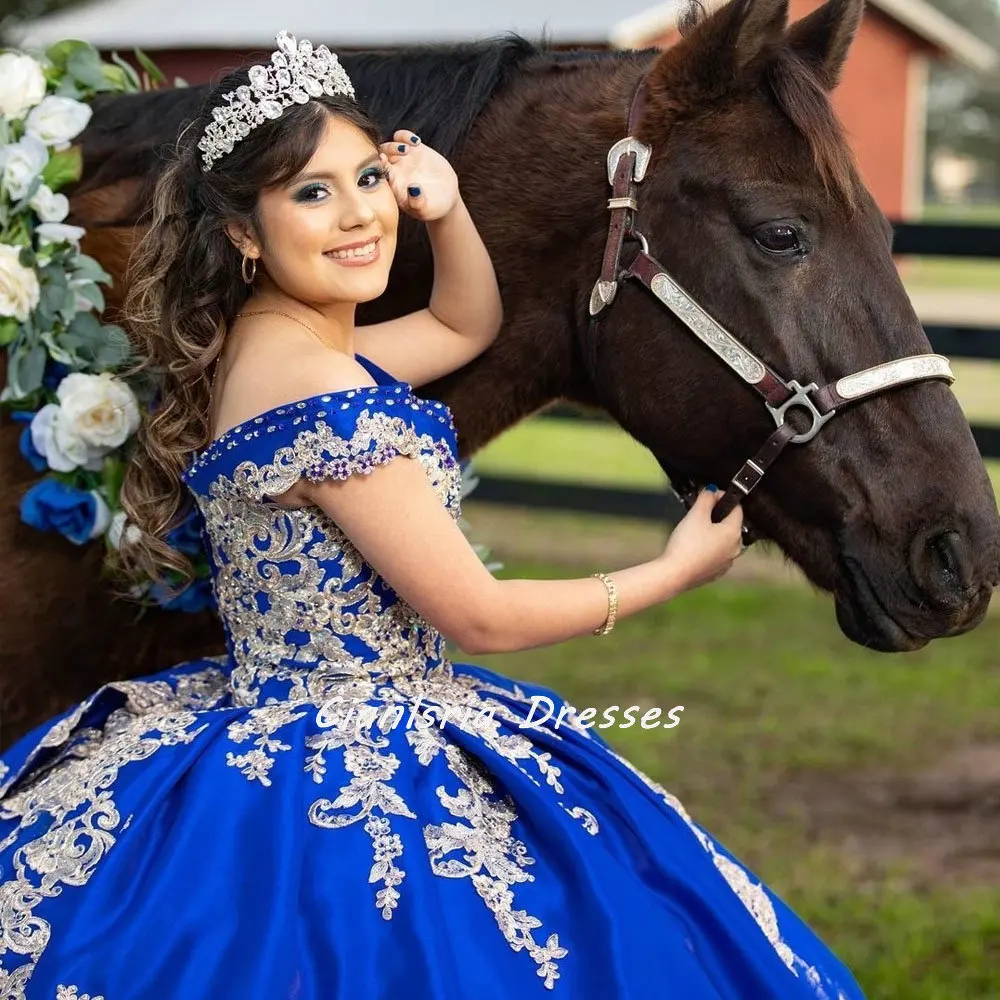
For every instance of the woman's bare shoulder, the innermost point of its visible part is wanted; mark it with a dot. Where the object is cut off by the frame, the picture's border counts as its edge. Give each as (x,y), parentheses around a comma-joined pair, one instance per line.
(267,372)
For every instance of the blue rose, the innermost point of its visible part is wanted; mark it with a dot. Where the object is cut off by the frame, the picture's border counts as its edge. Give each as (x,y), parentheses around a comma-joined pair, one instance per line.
(55,372)
(197,596)
(52,506)
(31,454)
(187,536)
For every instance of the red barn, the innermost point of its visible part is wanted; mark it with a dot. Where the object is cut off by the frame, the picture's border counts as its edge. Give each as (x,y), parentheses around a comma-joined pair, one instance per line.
(882,95)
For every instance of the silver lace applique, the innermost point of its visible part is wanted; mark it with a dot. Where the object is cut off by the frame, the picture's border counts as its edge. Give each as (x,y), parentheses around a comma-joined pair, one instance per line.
(73,993)
(319,590)
(394,697)
(75,791)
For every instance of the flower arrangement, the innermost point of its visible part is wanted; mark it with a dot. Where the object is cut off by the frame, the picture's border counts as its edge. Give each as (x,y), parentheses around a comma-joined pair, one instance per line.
(80,416)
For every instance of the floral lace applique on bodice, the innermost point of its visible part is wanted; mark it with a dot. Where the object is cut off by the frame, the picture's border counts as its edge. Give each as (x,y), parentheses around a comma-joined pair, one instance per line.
(299,604)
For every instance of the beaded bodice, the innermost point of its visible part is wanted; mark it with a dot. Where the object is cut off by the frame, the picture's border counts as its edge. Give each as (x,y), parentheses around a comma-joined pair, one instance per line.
(302,609)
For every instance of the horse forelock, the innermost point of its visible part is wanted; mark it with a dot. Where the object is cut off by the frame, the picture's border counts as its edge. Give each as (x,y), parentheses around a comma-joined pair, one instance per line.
(805,102)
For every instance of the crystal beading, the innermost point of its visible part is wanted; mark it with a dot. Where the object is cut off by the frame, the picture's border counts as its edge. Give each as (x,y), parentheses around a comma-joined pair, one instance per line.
(297,73)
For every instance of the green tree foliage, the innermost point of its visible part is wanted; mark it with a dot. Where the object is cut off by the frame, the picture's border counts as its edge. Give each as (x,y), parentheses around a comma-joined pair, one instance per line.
(964,107)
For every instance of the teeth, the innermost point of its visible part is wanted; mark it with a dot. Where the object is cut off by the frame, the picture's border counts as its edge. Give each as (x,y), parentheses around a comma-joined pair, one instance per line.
(366,251)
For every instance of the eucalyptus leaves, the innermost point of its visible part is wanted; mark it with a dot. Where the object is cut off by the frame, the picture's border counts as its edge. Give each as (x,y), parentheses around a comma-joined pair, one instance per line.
(80,416)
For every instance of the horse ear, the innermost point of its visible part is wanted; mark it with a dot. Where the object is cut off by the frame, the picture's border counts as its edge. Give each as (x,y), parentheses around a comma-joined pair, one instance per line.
(759,26)
(715,52)
(824,37)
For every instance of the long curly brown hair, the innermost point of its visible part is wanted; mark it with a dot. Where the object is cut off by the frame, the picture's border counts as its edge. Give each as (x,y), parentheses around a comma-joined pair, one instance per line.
(184,288)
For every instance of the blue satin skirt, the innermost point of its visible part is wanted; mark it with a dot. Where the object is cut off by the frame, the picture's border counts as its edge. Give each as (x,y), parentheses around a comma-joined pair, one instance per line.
(159,842)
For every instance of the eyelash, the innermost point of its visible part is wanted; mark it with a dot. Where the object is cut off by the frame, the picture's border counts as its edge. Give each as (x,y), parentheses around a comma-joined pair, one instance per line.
(381,172)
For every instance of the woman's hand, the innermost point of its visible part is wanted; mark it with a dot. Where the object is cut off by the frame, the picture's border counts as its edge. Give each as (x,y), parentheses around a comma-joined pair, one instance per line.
(700,551)
(424,182)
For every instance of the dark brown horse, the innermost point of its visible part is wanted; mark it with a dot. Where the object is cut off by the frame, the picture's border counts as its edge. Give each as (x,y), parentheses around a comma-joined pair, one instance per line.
(750,199)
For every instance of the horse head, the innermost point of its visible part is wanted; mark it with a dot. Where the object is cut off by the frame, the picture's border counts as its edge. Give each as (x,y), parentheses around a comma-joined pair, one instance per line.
(752,201)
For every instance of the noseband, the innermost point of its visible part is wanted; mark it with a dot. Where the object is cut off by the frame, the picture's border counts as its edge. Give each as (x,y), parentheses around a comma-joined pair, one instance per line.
(627,162)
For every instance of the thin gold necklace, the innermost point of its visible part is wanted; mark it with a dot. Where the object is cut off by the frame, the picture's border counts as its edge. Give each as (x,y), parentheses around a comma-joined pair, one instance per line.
(268,312)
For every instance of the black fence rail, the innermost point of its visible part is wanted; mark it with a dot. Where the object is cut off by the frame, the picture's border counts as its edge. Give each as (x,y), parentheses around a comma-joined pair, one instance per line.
(952,340)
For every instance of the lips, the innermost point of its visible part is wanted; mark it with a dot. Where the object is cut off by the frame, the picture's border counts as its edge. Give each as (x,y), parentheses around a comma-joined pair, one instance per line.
(866,620)
(361,252)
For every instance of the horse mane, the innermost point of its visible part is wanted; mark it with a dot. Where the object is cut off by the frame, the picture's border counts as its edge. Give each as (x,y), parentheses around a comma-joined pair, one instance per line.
(436,90)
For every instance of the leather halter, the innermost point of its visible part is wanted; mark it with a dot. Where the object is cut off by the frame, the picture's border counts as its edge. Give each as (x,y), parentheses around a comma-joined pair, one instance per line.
(627,162)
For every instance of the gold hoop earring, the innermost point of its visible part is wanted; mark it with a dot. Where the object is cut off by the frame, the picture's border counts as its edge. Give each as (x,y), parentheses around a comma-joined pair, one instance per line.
(253,270)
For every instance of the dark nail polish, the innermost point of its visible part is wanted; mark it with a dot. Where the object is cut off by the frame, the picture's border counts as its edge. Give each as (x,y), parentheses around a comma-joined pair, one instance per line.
(712,488)
(414,192)
(414,139)
(401,148)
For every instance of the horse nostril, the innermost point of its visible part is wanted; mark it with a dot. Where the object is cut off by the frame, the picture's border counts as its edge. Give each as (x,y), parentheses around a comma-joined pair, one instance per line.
(941,565)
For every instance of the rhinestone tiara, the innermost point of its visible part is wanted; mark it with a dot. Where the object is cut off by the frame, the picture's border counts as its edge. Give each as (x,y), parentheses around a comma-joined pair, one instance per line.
(297,72)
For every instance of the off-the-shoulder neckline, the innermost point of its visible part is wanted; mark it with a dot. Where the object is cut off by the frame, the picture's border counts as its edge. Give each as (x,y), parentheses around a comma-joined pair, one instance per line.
(322,397)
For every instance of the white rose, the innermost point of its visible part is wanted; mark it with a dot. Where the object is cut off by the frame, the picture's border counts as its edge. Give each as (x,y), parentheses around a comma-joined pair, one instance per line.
(102,515)
(58,232)
(101,409)
(19,288)
(21,163)
(49,206)
(53,436)
(22,84)
(57,120)
(118,527)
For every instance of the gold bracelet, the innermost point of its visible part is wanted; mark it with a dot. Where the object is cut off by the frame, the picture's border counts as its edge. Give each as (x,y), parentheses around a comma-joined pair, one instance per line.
(609,623)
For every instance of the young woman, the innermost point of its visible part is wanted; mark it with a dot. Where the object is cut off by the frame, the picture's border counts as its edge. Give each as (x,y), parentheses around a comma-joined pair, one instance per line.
(334,808)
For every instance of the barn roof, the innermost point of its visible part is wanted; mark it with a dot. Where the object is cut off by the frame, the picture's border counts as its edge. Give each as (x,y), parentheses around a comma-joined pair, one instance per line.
(918,16)
(237,24)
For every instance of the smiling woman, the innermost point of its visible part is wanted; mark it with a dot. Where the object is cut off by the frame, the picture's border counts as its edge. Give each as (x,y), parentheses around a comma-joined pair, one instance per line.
(494,854)
(263,243)
(317,235)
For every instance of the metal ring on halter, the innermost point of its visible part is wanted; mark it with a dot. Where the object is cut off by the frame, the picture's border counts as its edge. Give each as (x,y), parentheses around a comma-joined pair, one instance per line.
(640,239)
(803,400)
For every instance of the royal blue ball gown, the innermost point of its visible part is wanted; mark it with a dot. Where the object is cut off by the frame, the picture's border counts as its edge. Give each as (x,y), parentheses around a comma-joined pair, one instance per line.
(334,810)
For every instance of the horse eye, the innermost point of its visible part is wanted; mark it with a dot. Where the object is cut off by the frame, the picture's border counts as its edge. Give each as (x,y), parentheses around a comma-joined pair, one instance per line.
(779,238)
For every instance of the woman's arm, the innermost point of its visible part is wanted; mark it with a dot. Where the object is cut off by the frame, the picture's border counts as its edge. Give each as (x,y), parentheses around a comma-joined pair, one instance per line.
(465,297)
(465,310)
(397,522)
(399,525)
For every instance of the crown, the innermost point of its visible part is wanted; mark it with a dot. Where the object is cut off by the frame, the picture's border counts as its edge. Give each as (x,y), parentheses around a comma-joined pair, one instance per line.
(297,72)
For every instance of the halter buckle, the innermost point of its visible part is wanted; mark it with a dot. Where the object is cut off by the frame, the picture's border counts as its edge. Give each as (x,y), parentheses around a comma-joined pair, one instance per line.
(801,398)
(623,147)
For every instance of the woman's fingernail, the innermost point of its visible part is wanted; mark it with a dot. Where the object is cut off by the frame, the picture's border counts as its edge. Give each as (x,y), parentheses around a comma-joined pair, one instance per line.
(414,139)
(712,488)
(401,148)
(414,192)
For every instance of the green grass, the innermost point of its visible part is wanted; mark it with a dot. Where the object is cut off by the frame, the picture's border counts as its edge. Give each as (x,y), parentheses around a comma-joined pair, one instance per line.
(772,691)
(923,273)
(571,451)
(586,452)
(980,215)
